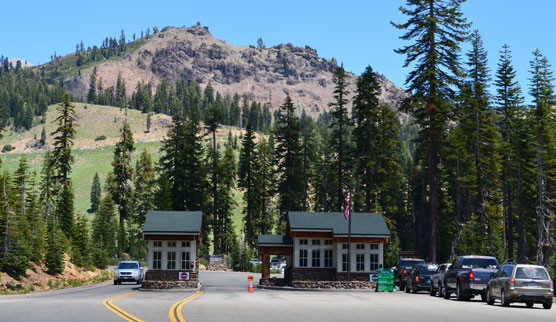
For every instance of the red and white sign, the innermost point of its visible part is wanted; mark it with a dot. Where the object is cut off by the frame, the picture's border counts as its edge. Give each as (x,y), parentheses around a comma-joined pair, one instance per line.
(184,276)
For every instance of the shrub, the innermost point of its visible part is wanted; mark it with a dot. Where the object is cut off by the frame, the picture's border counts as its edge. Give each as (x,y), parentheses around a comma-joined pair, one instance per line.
(100,138)
(7,148)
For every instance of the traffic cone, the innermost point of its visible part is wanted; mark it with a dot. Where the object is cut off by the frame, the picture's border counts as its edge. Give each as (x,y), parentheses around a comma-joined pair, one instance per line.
(250,287)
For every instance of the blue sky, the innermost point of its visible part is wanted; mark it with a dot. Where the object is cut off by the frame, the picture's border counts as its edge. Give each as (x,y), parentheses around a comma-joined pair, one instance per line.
(357,33)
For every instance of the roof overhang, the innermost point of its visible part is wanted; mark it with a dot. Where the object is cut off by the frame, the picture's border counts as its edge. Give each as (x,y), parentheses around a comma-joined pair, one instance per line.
(181,233)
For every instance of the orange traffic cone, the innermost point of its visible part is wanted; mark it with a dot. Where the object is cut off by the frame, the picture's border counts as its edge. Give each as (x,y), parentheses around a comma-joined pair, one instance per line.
(250,287)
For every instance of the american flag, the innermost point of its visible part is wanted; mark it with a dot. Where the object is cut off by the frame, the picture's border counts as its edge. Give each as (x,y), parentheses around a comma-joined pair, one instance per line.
(346,208)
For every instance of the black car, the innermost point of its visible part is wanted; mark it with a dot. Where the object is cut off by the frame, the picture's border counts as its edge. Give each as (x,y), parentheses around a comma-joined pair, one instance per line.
(419,277)
(402,268)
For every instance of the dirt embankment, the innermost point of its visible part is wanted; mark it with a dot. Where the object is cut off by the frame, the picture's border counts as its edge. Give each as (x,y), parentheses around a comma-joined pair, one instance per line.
(37,279)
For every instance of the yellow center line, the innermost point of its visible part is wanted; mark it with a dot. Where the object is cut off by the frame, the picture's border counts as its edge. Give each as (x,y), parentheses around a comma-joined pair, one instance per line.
(118,311)
(175,310)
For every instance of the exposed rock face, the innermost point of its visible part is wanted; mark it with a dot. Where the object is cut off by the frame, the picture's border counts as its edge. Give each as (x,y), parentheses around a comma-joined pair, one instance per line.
(265,75)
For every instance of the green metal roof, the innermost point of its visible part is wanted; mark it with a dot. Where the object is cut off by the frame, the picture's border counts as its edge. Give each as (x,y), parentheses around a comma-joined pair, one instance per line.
(275,240)
(362,224)
(179,222)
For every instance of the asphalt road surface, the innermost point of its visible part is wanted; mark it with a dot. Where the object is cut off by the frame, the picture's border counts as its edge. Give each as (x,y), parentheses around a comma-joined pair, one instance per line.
(224,297)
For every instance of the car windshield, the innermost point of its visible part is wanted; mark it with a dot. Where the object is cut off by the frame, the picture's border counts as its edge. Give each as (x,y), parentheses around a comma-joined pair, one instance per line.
(536,273)
(427,270)
(479,263)
(128,266)
(410,262)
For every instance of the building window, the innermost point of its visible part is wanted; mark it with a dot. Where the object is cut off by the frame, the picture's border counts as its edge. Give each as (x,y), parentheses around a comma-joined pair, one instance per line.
(185,261)
(360,262)
(344,246)
(171,262)
(316,241)
(302,258)
(185,244)
(360,246)
(303,242)
(171,244)
(328,241)
(344,262)
(315,261)
(157,260)
(374,262)
(157,243)
(374,246)
(328,258)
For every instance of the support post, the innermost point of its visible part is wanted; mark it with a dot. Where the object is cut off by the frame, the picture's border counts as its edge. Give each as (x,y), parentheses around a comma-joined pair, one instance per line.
(266,265)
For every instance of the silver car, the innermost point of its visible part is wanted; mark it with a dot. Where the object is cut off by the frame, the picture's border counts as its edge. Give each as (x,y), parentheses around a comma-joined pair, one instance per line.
(527,284)
(128,271)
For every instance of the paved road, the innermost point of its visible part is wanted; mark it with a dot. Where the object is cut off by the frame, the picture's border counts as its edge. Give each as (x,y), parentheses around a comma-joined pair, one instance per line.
(225,298)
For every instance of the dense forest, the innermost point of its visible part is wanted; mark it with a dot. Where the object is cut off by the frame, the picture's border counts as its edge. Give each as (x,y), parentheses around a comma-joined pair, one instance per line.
(473,172)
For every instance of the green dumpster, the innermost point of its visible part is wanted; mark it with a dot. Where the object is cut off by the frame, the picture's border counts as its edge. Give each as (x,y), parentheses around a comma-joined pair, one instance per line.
(385,280)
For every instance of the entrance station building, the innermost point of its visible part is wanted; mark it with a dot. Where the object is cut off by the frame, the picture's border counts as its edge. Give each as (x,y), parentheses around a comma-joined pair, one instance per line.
(316,244)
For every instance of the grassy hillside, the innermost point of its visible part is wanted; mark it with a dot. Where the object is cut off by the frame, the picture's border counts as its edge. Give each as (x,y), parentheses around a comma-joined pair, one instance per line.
(93,156)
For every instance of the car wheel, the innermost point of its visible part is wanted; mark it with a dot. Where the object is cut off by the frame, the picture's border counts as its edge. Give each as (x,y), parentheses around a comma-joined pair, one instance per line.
(115,282)
(460,296)
(483,297)
(503,300)
(489,298)
(407,289)
(432,291)
(547,305)
(414,288)
(402,286)
(440,290)
(529,304)
(139,282)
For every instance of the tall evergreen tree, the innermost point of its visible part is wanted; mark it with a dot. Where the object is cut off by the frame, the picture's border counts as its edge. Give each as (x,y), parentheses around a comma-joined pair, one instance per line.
(104,233)
(437,28)
(365,110)
(63,140)
(145,184)
(541,89)
(227,203)
(212,124)
(123,176)
(246,181)
(91,95)
(341,125)
(96,192)
(287,159)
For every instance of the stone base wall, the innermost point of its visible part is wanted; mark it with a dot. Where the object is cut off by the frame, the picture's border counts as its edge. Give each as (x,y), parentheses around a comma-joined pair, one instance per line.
(217,267)
(169,285)
(365,277)
(313,274)
(273,281)
(168,275)
(353,285)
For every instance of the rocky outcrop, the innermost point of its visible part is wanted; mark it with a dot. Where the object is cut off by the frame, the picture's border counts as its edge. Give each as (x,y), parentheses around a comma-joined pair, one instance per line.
(265,75)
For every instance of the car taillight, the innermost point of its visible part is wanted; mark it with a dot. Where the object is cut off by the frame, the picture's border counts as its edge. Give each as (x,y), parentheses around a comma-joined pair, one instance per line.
(405,271)
(551,282)
(512,280)
(471,276)
(416,279)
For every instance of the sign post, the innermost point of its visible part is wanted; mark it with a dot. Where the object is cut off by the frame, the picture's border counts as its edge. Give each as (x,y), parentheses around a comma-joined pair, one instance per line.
(184,276)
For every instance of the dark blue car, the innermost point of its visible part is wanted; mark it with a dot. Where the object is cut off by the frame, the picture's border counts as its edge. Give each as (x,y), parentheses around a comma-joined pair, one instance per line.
(419,278)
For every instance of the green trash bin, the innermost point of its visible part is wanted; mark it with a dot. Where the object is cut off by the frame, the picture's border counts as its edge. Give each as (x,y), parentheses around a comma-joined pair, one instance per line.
(385,281)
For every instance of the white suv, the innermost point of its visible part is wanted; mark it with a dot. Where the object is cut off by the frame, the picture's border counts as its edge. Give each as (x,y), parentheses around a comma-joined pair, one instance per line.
(128,271)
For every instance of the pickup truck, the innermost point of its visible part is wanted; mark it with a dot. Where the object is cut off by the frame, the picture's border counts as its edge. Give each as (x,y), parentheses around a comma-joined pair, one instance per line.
(469,276)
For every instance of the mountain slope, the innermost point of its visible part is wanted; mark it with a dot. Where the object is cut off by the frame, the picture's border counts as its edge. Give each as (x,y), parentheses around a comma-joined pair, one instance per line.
(265,75)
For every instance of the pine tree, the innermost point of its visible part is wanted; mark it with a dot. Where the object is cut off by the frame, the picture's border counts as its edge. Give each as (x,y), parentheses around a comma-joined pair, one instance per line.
(181,163)
(121,98)
(365,112)
(96,192)
(511,115)
(145,184)
(543,115)
(48,184)
(123,176)
(81,243)
(287,159)
(212,124)
(54,259)
(227,203)
(264,179)
(308,158)
(43,136)
(92,95)
(36,223)
(246,180)
(104,233)
(149,122)
(65,210)
(437,28)
(340,132)
(63,140)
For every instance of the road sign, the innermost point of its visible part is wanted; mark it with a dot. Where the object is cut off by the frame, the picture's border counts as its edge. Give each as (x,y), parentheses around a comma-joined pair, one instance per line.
(184,276)
(250,277)
(373,278)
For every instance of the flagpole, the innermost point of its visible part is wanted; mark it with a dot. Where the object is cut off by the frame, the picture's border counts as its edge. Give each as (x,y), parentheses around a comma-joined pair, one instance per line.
(349,233)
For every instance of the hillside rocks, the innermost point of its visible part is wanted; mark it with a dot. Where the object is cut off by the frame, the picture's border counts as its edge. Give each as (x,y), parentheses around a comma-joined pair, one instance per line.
(265,75)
